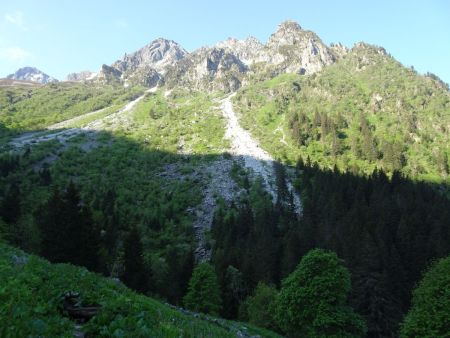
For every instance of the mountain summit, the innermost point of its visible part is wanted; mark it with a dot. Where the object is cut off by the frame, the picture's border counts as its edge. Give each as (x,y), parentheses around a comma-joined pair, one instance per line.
(157,55)
(145,66)
(31,74)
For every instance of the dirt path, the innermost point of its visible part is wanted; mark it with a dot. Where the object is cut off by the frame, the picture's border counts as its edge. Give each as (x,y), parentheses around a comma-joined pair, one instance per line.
(255,158)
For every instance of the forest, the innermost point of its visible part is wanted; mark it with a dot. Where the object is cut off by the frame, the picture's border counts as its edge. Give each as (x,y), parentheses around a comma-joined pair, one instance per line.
(385,231)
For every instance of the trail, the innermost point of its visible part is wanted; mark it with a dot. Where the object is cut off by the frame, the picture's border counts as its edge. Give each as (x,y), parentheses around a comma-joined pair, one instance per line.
(255,158)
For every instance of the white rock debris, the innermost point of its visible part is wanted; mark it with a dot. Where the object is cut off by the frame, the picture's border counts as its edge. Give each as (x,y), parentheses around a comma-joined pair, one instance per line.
(255,158)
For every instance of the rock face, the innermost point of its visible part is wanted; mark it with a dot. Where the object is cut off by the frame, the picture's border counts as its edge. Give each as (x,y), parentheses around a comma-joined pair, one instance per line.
(294,50)
(157,55)
(81,76)
(31,74)
(226,65)
(145,66)
(245,50)
(209,69)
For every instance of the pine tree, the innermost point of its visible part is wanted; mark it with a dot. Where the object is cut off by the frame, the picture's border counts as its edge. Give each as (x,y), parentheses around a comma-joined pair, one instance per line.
(53,232)
(135,275)
(68,232)
(203,292)
(10,206)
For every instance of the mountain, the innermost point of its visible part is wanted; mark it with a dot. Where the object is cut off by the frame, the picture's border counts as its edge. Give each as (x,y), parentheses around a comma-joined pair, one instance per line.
(81,76)
(31,74)
(145,66)
(226,65)
(242,154)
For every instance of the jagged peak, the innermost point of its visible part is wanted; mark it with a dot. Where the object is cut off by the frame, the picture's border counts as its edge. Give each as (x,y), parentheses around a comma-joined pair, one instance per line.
(288,32)
(290,25)
(368,47)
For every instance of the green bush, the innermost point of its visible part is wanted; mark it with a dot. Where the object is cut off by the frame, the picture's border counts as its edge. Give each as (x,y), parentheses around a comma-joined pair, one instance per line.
(260,306)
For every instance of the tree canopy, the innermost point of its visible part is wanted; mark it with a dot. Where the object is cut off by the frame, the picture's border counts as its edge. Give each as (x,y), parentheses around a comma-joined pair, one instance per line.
(313,299)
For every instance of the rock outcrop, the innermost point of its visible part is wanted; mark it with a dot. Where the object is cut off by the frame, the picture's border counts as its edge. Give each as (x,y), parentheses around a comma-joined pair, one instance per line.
(294,50)
(245,50)
(81,76)
(208,69)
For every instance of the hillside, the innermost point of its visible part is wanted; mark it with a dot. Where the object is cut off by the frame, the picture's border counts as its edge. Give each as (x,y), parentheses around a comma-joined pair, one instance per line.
(366,111)
(32,295)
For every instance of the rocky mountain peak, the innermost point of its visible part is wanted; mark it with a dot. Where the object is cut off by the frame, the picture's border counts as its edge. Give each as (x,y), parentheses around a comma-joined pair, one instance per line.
(31,74)
(289,26)
(246,50)
(294,50)
(157,55)
(287,33)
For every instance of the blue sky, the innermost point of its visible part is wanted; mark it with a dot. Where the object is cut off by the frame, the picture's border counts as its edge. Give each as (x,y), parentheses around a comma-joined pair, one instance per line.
(60,37)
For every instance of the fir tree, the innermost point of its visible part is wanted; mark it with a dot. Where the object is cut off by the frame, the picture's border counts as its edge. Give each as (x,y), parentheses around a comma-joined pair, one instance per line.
(135,275)
(203,292)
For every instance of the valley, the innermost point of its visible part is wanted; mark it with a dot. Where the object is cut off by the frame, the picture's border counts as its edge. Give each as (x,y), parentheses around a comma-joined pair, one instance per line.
(273,184)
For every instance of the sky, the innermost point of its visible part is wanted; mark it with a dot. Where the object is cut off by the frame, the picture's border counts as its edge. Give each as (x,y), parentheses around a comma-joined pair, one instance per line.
(64,36)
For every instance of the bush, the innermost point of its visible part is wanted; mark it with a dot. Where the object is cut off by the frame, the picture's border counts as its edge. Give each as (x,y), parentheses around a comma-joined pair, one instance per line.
(259,307)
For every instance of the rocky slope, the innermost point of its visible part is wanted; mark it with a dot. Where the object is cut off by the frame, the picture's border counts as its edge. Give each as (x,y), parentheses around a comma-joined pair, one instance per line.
(31,74)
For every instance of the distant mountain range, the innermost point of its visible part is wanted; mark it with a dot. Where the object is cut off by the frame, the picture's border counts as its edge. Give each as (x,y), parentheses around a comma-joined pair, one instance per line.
(31,74)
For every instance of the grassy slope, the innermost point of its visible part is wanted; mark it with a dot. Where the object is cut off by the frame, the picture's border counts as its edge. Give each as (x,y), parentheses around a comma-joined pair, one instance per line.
(413,113)
(24,108)
(30,296)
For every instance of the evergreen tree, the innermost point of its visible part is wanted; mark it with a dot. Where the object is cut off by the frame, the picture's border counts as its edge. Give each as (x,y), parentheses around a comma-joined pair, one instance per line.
(68,232)
(10,206)
(135,275)
(203,291)
(234,292)
(53,233)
